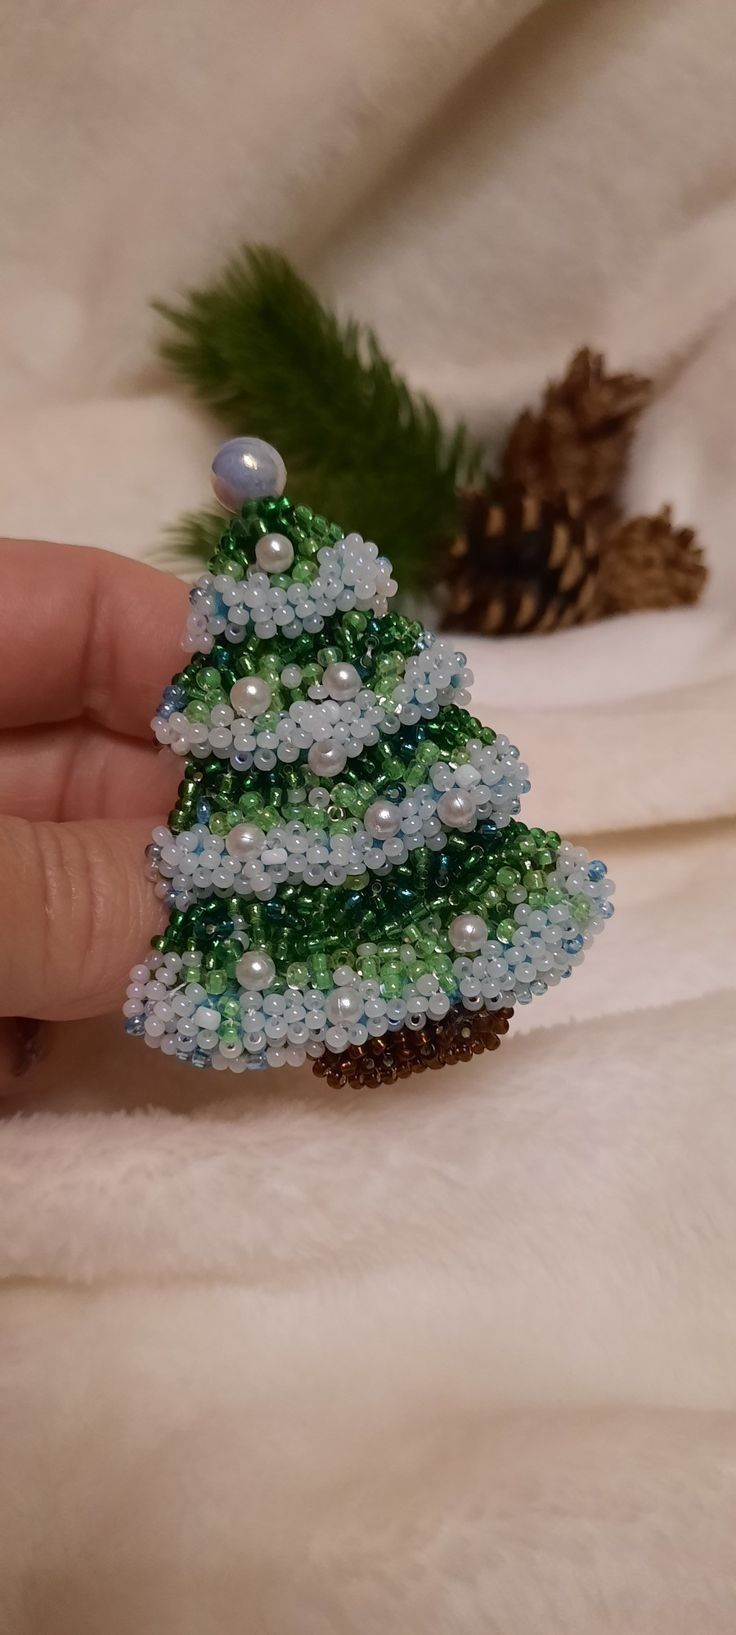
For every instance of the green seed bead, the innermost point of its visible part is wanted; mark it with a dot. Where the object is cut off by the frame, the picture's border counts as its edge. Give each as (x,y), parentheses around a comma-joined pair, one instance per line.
(297,975)
(219,824)
(215,983)
(506,929)
(208,677)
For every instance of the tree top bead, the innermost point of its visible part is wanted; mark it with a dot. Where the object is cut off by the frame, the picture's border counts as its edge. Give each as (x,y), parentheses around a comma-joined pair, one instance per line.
(246,468)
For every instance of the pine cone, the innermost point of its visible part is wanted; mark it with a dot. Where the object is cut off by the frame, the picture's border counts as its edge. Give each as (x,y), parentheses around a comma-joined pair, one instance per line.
(576,444)
(648,563)
(520,564)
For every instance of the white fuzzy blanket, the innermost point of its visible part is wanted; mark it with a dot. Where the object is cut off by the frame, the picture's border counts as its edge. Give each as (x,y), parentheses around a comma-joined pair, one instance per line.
(459,1357)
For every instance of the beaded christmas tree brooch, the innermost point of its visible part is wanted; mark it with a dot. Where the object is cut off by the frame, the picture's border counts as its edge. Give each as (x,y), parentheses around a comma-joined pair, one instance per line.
(347,879)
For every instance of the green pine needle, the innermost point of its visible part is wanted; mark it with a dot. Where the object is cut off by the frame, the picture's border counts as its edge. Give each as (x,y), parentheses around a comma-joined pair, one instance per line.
(196,534)
(259,348)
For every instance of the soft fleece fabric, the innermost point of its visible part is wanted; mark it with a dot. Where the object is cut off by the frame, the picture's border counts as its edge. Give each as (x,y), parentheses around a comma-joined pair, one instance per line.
(460,1356)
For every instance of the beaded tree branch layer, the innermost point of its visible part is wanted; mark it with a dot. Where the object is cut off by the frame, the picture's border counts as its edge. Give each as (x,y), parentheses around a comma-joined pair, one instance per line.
(346,875)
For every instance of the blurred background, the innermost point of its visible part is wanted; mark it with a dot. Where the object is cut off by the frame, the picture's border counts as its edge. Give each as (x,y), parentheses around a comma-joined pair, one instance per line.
(490,184)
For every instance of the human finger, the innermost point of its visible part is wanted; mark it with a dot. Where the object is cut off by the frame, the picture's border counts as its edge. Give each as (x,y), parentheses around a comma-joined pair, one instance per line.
(77,770)
(85,633)
(77,912)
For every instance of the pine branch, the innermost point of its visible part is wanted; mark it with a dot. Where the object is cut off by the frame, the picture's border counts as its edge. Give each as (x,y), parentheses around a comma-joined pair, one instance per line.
(259,348)
(195,534)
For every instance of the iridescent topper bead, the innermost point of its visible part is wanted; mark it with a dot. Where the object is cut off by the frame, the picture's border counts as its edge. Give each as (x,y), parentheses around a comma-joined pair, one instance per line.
(245,469)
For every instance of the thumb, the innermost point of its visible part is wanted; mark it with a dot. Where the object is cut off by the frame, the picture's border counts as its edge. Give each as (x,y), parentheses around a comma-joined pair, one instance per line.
(78,911)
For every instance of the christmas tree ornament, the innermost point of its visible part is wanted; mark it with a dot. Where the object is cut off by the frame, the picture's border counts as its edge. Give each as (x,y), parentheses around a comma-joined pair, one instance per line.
(347,879)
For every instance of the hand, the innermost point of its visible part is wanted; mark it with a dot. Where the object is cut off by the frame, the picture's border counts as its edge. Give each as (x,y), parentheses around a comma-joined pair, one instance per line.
(88,640)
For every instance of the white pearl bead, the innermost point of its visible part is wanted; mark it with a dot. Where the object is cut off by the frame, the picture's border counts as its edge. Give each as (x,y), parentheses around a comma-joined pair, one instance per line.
(244,841)
(344,1006)
(467,932)
(255,969)
(382,819)
(326,759)
(274,553)
(341,681)
(250,696)
(456,809)
(246,468)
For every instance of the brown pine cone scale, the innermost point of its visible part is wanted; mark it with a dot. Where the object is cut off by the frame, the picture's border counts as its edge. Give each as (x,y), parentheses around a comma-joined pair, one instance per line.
(522,564)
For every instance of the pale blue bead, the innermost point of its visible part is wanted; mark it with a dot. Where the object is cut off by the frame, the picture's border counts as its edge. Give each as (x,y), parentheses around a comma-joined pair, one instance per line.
(246,468)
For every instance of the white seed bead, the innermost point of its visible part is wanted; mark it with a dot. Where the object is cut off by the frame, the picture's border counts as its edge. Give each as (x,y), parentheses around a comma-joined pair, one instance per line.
(207,1017)
(232,1049)
(255,970)
(467,932)
(382,819)
(456,809)
(326,759)
(250,696)
(244,841)
(274,553)
(341,681)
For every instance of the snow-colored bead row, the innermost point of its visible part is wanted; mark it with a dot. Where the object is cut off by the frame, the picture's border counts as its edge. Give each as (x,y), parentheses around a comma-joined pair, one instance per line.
(172,1010)
(339,714)
(350,574)
(196,864)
